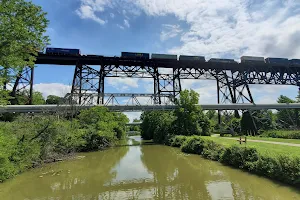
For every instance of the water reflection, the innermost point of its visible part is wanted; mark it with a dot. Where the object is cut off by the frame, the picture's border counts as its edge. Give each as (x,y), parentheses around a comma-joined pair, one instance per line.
(141,172)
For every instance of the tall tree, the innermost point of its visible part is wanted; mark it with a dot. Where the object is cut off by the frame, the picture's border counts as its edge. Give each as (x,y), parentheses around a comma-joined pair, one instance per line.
(190,118)
(287,118)
(22,35)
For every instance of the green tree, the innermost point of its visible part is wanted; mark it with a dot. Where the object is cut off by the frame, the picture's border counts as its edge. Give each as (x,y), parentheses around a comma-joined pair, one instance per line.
(22,35)
(136,120)
(190,119)
(52,99)
(287,118)
(23,98)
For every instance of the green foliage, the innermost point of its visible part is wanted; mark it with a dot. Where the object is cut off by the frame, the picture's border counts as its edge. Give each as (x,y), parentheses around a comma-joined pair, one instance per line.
(286,134)
(22,34)
(157,125)
(22,29)
(248,126)
(187,119)
(102,127)
(287,118)
(193,144)
(177,140)
(213,150)
(22,98)
(190,119)
(239,156)
(52,99)
(282,167)
(31,140)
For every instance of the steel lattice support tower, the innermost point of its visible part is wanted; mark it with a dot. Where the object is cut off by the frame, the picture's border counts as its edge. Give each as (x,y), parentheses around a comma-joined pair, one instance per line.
(231,89)
(85,80)
(166,84)
(23,81)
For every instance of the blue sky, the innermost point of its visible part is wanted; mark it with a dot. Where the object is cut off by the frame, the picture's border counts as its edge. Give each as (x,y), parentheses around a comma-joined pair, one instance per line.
(214,28)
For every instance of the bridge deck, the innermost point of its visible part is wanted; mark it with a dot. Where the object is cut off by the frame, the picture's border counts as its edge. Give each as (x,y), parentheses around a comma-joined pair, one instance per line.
(128,108)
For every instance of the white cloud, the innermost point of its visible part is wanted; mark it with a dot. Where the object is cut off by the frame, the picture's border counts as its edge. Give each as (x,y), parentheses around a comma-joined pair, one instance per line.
(227,28)
(233,27)
(169,31)
(126,23)
(121,27)
(148,85)
(112,15)
(57,89)
(133,115)
(123,84)
(89,8)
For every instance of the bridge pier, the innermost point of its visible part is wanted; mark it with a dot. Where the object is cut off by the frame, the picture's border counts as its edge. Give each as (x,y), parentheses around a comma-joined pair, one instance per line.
(85,80)
(22,82)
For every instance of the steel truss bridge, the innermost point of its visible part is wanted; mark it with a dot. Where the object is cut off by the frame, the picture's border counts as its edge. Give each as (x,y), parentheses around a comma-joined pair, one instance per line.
(233,79)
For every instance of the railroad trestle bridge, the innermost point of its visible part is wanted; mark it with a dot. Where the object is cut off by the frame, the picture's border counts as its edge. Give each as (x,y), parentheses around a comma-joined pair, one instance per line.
(233,79)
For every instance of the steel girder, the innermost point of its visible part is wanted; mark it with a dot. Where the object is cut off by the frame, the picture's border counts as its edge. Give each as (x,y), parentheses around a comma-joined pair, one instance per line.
(85,80)
(23,81)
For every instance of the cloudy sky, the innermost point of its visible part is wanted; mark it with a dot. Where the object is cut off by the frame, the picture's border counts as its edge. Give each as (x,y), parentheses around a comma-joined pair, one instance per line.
(212,28)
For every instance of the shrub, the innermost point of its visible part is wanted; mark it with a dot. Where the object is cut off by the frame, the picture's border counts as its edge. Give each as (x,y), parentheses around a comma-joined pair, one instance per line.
(213,150)
(177,140)
(282,168)
(241,157)
(286,134)
(193,144)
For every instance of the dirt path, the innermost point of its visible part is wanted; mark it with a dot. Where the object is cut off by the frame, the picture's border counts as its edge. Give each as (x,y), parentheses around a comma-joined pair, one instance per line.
(269,142)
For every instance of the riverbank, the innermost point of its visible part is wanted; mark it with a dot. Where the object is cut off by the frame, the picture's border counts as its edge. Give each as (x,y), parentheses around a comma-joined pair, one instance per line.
(280,167)
(30,141)
(141,172)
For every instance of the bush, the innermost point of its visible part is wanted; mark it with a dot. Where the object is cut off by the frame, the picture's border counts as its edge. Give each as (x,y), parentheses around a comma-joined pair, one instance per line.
(241,157)
(282,168)
(286,134)
(212,150)
(29,141)
(193,144)
(177,140)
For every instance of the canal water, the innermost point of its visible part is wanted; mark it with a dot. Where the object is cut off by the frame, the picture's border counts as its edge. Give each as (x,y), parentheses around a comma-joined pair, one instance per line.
(141,172)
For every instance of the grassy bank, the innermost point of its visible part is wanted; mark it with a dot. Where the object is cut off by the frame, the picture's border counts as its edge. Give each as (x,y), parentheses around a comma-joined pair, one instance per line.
(262,148)
(29,141)
(292,141)
(256,158)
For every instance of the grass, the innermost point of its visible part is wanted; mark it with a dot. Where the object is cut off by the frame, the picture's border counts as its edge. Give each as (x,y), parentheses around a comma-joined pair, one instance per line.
(293,141)
(263,148)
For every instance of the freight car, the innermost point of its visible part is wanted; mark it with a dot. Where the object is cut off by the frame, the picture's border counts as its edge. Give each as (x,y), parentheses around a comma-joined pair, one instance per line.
(220,60)
(192,58)
(155,56)
(277,61)
(134,55)
(252,59)
(62,51)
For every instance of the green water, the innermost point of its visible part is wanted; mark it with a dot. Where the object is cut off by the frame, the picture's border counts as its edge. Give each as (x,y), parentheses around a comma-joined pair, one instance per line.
(141,172)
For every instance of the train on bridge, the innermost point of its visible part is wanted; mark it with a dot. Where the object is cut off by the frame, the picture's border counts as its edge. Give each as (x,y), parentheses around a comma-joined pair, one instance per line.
(185,58)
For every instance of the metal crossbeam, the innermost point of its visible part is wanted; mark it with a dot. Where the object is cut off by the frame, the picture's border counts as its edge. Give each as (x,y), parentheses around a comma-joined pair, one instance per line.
(115,98)
(65,108)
